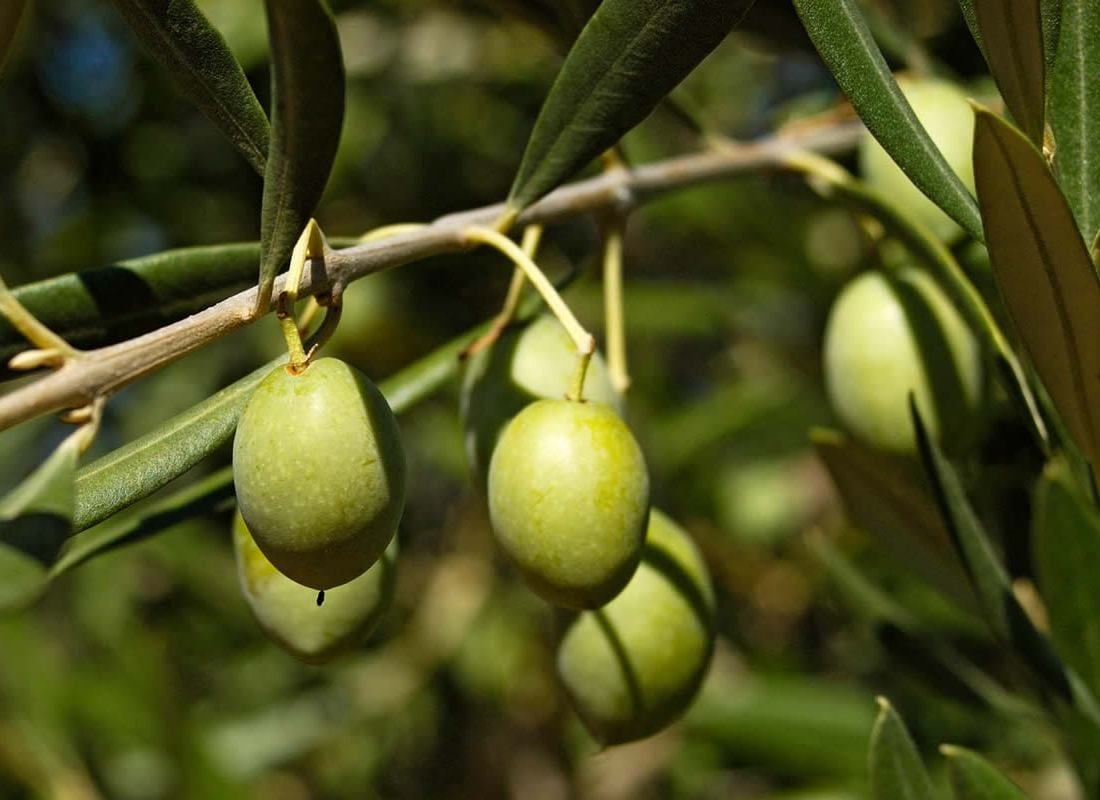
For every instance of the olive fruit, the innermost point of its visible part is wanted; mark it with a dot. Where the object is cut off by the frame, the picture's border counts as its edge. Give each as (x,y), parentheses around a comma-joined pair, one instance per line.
(633,666)
(289,612)
(568,500)
(947,116)
(527,363)
(892,334)
(319,472)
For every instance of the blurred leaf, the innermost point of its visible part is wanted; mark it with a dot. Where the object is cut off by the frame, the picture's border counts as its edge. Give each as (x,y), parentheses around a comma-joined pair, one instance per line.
(987,574)
(883,498)
(11,14)
(844,41)
(1012,37)
(35,520)
(974,778)
(1074,106)
(307,84)
(896,769)
(1066,540)
(1044,273)
(628,57)
(177,35)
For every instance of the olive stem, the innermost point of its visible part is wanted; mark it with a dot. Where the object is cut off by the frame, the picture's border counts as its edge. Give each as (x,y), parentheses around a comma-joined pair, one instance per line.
(614,317)
(386,231)
(576,393)
(584,341)
(311,244)
(49,346)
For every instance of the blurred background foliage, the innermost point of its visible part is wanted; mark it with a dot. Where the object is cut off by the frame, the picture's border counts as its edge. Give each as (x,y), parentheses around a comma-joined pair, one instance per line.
(142,675)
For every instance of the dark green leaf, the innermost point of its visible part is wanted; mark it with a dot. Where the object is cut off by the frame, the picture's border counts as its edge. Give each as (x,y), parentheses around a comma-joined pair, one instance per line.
(178,36)
(1012,37)
(883,497)
(1051,11)
(11,14)
(1044,273)
(988,576)
(1066,540)
(1074,109)
(307,84)
(896,769)
(974,778)
(35,520)
(841,36)
(628,57)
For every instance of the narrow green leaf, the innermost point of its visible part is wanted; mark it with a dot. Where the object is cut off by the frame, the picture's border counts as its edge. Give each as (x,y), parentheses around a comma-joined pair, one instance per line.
(628,57)
(181,39)
(896,769)
(988,576)
(844,42)
(882,497)
(1051,11)
(35,520)
(1074,109)
(307,84)
(974,778)
(1066,540)
(11,14)
(1044,273)
(1012,36)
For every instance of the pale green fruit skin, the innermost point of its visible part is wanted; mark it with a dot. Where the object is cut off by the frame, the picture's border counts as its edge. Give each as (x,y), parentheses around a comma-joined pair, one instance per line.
(889,335)
(634,666)
(944,111)
(527,363)
(569,499)
(319,472)
(288,612)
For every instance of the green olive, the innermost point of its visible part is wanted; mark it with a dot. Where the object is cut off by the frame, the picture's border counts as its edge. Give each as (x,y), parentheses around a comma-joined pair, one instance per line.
(568,500)
(947,116)
(289,612)
(319,472)
(892,334)
(634,666)
(527,363)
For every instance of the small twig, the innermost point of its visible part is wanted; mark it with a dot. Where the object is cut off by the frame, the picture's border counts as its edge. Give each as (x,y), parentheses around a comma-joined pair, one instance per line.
(107,369)
(614,319)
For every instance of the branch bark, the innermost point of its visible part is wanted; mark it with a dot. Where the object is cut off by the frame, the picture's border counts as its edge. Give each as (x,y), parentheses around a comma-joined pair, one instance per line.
(100,372)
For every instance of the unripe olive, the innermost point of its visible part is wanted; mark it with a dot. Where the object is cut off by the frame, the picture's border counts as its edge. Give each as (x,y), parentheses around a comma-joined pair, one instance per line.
(892,334)
(634,666)
(568,500)
(319,472)
(527,363)
(289,612)
(947,116)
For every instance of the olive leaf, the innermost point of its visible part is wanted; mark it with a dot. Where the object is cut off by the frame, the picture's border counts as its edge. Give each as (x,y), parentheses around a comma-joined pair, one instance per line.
(843,39)
(1050,11)
(1012,38)
(35,520)
(1074,111)
(990,580)
(974,778)
(176,34)
(1043,270)
(628,57)
(11,14)
(896,769)
(307,84)
(1066,542)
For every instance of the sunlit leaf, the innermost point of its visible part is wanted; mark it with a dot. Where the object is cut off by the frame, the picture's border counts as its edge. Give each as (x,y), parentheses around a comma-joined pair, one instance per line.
(844,41)
(896,769)
(974,778)
(1066,541)
(1012,38)
(628,57)
(1044,273)
(11,14)
(1074,111)
(180,38)
(307,116)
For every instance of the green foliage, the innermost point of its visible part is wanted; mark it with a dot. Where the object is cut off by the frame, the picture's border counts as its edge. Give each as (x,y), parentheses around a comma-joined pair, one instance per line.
(974,778)
(896,769)
(1012,38)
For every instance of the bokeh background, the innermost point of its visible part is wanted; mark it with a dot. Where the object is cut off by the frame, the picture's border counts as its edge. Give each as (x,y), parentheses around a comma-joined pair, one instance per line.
(142,675)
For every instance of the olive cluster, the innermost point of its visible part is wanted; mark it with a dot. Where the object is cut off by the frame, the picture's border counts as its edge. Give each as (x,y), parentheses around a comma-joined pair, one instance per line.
(320,480)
